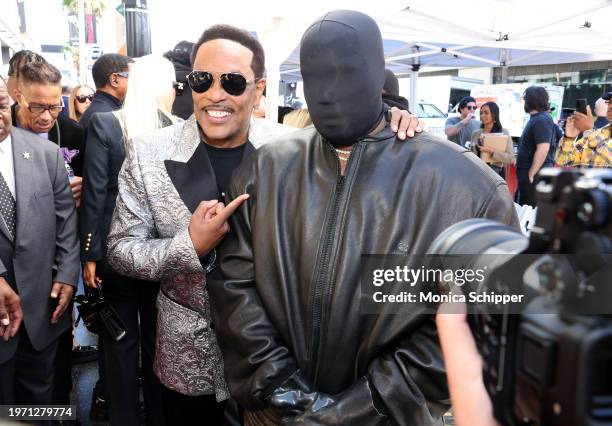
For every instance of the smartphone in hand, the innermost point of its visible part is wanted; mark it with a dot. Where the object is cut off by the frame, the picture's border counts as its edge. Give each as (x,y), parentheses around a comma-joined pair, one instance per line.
(581,105)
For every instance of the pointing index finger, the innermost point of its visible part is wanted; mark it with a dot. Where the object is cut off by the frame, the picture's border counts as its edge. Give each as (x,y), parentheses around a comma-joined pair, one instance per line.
(231,207)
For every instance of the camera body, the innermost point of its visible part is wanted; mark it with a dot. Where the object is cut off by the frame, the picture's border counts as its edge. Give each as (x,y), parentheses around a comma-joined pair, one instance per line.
(552,363)
(98,315)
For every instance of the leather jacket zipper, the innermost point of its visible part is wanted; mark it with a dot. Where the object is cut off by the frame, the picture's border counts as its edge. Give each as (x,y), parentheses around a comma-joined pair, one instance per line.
(324,283)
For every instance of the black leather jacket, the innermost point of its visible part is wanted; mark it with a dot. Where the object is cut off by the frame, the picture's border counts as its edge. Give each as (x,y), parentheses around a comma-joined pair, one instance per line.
(286,292)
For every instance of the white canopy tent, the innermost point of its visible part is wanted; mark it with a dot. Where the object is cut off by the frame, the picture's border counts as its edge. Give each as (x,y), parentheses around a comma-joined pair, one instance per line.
(427,34)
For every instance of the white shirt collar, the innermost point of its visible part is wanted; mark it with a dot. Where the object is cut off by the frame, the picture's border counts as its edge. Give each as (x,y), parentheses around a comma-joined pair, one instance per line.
(6,163)
(6,143)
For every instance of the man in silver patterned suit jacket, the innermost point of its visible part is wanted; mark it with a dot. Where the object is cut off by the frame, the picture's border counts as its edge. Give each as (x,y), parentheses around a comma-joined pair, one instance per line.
(162,228)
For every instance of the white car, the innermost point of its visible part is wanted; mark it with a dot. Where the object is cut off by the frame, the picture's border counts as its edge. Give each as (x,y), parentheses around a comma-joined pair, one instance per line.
(433,117)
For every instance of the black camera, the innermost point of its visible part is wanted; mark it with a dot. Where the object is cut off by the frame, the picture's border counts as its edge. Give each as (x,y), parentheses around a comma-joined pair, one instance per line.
(98,315)
(550,364)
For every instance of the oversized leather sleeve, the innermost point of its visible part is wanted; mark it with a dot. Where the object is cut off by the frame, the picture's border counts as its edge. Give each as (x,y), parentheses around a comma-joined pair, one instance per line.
(95,189)
(410,381)
(498,205)
(135,248)
(66,233)
(256,359)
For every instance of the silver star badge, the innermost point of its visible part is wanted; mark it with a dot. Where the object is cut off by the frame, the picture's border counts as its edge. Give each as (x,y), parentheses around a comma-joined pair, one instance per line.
(26,155)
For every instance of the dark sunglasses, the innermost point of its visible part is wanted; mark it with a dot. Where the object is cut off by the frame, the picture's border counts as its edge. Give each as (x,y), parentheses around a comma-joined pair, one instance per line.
(179,87)
(232,82)
(473,108)
(82,98)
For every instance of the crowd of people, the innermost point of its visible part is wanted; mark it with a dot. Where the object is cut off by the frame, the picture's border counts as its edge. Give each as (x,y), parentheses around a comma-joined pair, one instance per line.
(229,245)
(581,140)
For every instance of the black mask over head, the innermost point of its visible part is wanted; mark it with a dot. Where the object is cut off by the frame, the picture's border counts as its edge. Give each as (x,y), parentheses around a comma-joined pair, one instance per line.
(343,66)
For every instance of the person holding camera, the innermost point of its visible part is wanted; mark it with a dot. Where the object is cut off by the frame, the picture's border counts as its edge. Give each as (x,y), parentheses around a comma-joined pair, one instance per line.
(470,402)
(593,148)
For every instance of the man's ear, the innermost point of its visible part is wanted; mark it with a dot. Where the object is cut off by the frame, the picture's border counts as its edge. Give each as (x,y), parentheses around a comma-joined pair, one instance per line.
(18,96)
(15,95)
(261,86)
(113,80)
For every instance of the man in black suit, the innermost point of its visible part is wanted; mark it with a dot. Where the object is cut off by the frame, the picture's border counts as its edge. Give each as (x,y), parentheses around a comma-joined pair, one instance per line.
(110,73)
(39,257)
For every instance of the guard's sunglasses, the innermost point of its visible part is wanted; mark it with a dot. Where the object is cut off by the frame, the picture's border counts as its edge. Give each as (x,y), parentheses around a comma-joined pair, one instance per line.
(232,82)
(83,98)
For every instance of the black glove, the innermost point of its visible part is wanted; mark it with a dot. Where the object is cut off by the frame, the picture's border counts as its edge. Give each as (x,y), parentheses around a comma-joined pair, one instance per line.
(293,396)
(297,403)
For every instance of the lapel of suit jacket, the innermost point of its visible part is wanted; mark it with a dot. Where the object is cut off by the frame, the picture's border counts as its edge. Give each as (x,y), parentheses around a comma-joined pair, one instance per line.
(189,168)
(25,184)
(4,230)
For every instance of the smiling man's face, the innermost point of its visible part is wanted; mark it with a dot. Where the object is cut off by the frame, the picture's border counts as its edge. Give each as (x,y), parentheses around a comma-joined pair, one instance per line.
(224,118)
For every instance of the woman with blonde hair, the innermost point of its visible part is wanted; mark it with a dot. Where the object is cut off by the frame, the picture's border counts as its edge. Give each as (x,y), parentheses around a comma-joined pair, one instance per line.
(147,106)
(298,118)
(79,100)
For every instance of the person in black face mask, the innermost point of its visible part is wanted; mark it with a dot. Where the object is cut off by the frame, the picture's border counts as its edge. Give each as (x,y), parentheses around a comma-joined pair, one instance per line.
(342,60)
(286,293)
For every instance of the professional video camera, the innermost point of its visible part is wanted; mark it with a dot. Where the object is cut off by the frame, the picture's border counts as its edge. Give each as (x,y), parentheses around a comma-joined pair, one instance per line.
(98,316)
(552,363)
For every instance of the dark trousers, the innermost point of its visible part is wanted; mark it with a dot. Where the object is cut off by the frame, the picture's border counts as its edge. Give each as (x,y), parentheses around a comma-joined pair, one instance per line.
(181,409)
(62,378)
(100,387)
(526,188)
(135,302)
(27,378)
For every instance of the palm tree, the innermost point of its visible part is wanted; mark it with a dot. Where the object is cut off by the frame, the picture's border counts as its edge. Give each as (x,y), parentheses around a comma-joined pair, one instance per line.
(74,53)
(97,6)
